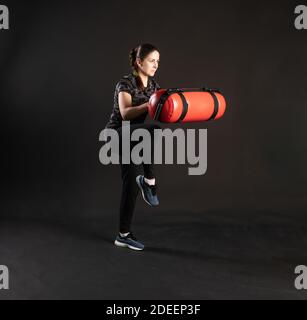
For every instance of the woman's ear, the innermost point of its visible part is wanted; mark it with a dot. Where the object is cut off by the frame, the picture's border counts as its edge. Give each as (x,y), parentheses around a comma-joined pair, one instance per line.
(139,62)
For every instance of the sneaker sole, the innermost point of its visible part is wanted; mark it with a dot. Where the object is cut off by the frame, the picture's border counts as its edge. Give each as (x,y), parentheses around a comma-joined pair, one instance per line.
(140,186)
(124,245)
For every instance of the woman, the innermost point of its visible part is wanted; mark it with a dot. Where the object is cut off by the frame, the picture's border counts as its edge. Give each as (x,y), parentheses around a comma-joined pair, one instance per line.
(131,98)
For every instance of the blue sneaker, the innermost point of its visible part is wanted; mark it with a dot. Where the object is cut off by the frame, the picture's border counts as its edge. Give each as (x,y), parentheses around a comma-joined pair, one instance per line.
(129,242)
(149,193)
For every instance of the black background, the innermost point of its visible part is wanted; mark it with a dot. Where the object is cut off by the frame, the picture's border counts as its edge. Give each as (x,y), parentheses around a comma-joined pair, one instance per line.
(60,62)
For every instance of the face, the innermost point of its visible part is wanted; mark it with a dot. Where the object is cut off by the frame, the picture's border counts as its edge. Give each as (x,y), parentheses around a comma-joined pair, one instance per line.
(150,64)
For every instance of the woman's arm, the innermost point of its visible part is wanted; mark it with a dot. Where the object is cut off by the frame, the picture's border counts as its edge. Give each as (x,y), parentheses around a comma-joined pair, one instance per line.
(125,107)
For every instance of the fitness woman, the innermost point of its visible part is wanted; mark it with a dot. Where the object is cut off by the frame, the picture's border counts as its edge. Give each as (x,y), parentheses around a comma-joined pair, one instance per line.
(131,98)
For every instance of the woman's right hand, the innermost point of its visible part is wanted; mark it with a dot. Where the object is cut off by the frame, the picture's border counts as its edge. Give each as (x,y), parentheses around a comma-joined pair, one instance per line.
(125,106)
(147,105)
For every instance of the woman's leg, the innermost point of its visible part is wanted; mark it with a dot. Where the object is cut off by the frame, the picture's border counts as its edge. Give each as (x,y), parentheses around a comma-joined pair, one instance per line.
(130,190)
(149,172)
(129,195)
(147,183)
(129,173)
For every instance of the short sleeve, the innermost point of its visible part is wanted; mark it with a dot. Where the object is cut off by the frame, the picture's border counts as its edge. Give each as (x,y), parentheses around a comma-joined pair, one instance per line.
(124,86)
(157,86)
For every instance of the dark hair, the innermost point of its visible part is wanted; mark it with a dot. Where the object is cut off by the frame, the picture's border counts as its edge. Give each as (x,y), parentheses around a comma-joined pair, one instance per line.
(141,51)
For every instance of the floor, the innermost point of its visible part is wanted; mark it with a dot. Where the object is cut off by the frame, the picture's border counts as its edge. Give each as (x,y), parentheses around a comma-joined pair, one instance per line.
(212,255)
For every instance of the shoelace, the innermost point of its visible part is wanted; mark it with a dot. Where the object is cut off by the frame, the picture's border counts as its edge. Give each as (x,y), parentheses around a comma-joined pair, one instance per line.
(131,236)
(153,189)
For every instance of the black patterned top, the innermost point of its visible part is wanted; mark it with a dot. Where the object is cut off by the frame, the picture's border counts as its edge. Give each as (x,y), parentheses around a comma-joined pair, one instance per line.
(128,84)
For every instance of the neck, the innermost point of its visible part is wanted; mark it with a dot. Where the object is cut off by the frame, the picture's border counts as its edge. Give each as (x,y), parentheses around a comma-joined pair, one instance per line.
(144,78)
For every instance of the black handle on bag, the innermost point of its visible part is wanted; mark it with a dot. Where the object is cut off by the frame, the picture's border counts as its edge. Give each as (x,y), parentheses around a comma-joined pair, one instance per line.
(171,91)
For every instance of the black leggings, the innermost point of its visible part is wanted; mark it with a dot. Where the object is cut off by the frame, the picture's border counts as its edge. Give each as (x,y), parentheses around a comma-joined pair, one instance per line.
(129,172)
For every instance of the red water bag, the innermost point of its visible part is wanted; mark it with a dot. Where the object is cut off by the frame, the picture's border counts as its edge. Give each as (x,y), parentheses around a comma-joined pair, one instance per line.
(186,105)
